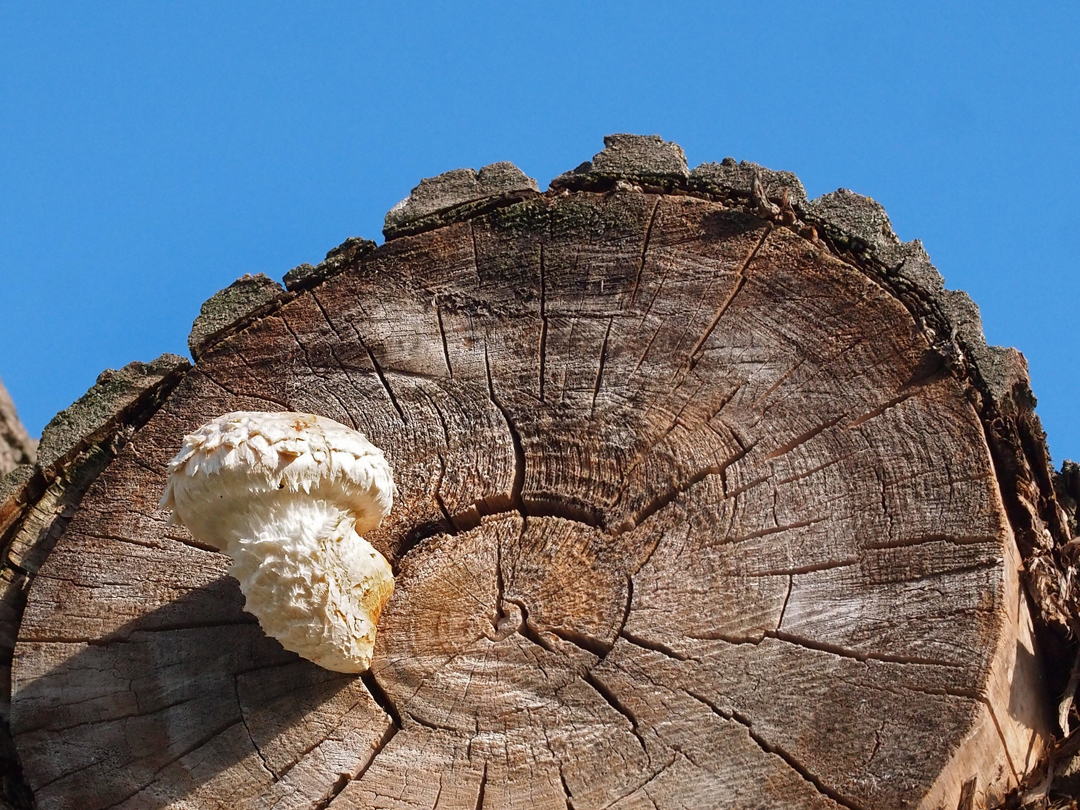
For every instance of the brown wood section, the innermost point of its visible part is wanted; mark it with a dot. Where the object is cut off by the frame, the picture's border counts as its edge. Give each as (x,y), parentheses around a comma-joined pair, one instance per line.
(689,514)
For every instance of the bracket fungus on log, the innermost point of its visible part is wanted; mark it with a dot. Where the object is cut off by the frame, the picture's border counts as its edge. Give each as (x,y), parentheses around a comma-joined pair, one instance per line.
(707,496)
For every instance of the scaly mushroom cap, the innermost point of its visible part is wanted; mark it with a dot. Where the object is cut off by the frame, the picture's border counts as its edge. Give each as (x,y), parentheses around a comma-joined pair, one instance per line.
(287,495)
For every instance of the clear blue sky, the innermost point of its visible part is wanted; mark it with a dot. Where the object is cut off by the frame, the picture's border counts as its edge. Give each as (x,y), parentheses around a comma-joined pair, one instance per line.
(150,153)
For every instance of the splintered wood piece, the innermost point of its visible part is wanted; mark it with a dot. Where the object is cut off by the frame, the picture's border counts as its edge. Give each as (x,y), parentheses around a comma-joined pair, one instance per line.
(690,513)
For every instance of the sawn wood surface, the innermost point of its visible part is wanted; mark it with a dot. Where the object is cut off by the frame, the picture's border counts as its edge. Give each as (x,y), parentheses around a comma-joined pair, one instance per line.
(690,513)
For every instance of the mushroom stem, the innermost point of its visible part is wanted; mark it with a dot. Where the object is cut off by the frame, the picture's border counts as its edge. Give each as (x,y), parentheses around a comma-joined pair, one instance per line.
(313,583)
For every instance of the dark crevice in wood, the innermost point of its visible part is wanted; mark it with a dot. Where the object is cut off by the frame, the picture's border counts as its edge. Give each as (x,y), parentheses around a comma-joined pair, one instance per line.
(380,746)
(877,741)
(880,409)
(449,526)
(336,788)
(645,352)
(442,421)
(247,729)
(812,568)
(527,630)
(653,646)
(566,789)
(629,603)
(792,763)
(538,506)
(494,505)
(754,535)
(698,350)
(131,541)
(600,368)
(644,249)
(843,652)
(515,437)
(429,725)
(382,379)
(787,598)
(438,794)
(772,388)
(655,505)
(804,438)
(609,697)
(500,588)
(590,644)
(707,635)
(1001,736)
(480,792)
(424,531)
(378,694)
(879,474)
(442,336)
(191,542)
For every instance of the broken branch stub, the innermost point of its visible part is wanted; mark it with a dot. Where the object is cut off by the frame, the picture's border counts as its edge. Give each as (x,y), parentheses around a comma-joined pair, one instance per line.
(699,503)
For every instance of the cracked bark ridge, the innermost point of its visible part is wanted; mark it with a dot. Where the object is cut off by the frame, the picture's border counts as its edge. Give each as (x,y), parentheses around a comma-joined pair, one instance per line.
(461,191)
(231,309)
(16,446)
(728,176)
(349,252)
(647,159)
(698,505)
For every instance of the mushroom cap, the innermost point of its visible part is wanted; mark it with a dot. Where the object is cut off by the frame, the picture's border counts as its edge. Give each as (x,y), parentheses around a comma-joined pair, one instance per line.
(249,465)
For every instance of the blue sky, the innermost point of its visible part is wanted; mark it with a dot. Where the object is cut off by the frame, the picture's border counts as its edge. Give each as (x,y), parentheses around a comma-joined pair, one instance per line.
(150,153)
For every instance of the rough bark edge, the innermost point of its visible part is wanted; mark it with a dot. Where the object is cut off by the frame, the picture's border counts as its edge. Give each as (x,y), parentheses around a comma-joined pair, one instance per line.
(230,310)
(304,276)
(455,195)
(37,502)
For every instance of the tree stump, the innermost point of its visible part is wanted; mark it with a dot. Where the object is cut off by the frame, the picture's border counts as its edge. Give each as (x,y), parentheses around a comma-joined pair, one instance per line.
(698,506)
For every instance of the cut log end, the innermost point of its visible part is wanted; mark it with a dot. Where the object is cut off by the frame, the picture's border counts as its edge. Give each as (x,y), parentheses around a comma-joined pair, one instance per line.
(692,511)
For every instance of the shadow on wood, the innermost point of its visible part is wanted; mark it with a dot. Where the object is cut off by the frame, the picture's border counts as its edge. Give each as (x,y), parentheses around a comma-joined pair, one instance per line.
(206,682)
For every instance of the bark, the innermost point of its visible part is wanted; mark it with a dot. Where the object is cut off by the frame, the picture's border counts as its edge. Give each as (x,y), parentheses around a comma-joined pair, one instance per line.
(16,446)
(708,495)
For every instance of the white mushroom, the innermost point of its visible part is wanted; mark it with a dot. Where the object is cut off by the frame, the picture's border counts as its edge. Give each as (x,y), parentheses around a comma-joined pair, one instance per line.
(287,496)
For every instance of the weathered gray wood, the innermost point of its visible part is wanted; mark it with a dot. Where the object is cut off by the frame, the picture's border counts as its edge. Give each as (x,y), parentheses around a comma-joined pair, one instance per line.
(696,507)
(16,446)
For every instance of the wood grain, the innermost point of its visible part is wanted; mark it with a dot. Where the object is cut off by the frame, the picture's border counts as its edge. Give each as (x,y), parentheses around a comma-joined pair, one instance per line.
(691,513)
